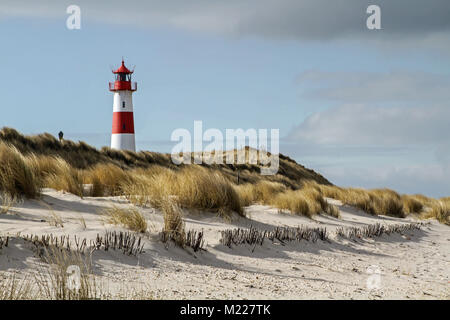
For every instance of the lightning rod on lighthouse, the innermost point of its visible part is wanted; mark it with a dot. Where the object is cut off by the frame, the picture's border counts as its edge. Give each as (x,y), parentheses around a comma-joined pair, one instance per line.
(122,137)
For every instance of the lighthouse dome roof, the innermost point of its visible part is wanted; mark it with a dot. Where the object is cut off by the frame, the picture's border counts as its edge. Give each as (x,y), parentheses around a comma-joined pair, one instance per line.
(123,69)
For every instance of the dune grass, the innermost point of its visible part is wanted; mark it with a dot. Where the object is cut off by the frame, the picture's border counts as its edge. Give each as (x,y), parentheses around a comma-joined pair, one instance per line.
(204,189)
(22,175)
(260,192)
(6,202)
(307,201)
(106,179)
(375,201)
(56,173)
(191,187)
(174,228)
(16,177)
(130,218)
(14,288)
(55,220)
(30,163)
(65,178)
(412,203)
(294,201)
(55,282)
(440,210)
(389,202)
(82,156)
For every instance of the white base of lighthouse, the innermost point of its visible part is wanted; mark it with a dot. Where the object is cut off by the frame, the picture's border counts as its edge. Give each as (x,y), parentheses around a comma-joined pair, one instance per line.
(123,141)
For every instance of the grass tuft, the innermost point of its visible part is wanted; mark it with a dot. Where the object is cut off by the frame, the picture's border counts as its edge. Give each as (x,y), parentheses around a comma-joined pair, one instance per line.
(6,202)
(440,210)
(68,276)
(375,201)
(106,180)
(16,177)
(173,223)
(191,187)
(412,204)
(14,288)
(306,201)
(130,218)
(64,177)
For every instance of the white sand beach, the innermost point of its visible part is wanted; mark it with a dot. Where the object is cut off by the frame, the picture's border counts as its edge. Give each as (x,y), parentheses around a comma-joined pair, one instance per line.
(411,265)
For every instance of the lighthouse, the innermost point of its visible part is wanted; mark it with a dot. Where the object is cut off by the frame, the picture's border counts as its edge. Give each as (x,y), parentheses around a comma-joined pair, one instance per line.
(122,137)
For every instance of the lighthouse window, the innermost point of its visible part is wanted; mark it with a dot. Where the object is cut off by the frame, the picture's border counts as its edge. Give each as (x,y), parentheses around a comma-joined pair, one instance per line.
(123,104)
(124,126)
(122,77)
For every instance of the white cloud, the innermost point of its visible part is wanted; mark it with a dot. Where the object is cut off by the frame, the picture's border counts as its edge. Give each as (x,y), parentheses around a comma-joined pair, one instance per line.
(361,125)
(351,87)
(404,145)
(421,169)
(406,149)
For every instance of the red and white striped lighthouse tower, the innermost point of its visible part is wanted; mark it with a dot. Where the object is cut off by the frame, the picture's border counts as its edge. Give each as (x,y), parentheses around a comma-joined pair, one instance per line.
(122,137)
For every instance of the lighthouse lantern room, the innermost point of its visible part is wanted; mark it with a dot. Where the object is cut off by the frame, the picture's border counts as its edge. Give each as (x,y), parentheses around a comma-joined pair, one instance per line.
(122,137)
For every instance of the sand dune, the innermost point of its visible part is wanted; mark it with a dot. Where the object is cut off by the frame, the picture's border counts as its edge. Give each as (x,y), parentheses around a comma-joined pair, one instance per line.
(414,264)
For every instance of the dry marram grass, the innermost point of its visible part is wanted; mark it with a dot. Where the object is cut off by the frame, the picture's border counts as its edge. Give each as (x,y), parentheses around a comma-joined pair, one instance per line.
(307,201)
(7,201)
(29,163)
(191,187)
(14,288)
(440,210)
(130,218)
(55,282)
(16,177)
(173,223)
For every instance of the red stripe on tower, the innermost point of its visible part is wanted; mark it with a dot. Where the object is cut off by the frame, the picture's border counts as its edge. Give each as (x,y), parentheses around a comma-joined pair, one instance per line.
(123,122)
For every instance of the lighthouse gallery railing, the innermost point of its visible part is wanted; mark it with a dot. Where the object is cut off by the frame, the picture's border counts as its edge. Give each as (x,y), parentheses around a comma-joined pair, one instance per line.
(122,85)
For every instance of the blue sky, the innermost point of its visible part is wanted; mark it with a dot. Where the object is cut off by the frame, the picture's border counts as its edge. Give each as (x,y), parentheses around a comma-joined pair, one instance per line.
(364,108)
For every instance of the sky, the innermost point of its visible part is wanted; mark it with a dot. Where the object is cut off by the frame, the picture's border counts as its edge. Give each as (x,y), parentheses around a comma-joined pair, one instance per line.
(365,108)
